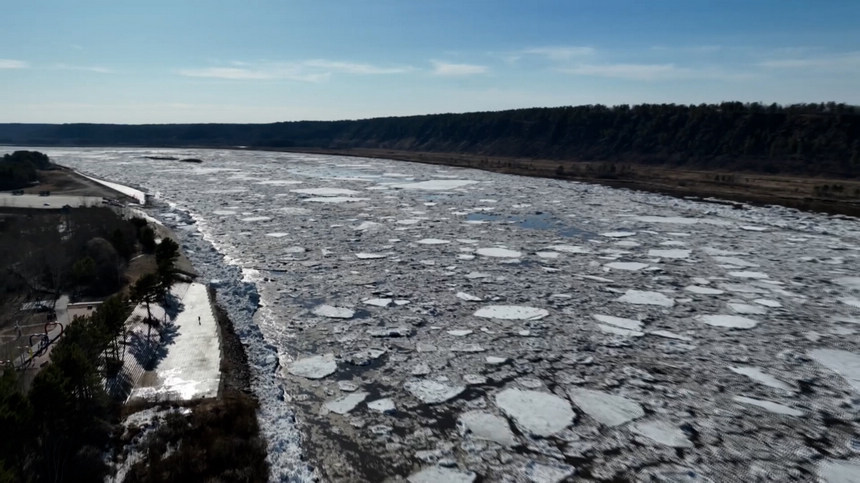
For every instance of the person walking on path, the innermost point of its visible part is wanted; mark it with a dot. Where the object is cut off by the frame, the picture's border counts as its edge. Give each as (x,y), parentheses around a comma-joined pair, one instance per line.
(198,321)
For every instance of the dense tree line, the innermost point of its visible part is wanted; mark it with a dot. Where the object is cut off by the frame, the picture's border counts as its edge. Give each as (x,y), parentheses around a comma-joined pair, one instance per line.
(804,139)
(19,169)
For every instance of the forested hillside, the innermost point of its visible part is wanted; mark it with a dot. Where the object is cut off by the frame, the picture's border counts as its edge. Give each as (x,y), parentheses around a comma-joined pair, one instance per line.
(809,139)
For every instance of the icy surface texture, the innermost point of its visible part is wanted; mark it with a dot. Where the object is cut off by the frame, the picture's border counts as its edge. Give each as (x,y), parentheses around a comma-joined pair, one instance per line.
(720,323)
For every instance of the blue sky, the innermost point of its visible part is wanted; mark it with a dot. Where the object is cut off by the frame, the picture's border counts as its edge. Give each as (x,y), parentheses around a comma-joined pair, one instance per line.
(263,61)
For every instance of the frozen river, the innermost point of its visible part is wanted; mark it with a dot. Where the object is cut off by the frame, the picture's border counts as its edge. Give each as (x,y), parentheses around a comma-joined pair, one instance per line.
(442,324)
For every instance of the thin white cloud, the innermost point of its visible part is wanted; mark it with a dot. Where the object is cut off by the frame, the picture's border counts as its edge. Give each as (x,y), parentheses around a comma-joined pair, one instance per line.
(559,53)
(353,68)
(314,70)
(13,64)
(449,69)
(838,62)
(231,73)
(96,69)
(646,72)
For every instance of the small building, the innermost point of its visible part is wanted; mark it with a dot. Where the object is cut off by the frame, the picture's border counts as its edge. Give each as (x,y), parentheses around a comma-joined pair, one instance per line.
(82,309)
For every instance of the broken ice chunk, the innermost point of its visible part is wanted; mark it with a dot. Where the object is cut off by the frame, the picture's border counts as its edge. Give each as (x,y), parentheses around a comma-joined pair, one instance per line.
(333,312)
(468,297)
(316,367)
(631,266)
(728,321)
(844,363)
(345,404)
(382,405)
(498,252)
(703,290)
(488,426)
(611,329)
(432,392)
(628,324)
(761,377)
(769,406)
(537,413)
(437,474)
(662,432)
(641,297)
(606,408)
(511,312)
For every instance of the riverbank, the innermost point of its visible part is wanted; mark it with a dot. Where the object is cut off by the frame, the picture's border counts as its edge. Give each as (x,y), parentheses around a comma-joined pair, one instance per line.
(826,195)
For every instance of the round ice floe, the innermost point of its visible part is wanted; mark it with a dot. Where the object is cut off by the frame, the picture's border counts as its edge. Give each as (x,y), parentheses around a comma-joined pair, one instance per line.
(768,406)
(498,252)
(729,321)
(703,290)
(333,312)
(641,297)
(547,255)
(631,266)
(747,274)
(432,392)
(435,474)
(568,249)
(315,367)
(325,191)
(618,234)
(432,241)
(511,312)
(663,433)
(606,408)
(488,426)
(537,413)
(671,253)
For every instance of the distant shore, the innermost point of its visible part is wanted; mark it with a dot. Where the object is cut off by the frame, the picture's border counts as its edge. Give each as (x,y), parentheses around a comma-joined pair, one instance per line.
(826,195)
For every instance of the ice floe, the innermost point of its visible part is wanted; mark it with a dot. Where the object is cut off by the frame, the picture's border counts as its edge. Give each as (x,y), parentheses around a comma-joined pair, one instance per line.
(632,266)
(769,406)
(498,252)
(325,191)
(628,324)
(333,312)
(345,404)
(534,412)
(438,474)
(757,375)
(844,363)
(432,392)
(703,290)
(315,367)
(606,408)
(488,426)
(662,432)
(644,297)
(511,312)
(728,321)
(672,253)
